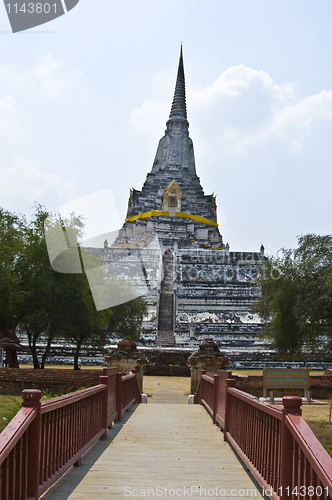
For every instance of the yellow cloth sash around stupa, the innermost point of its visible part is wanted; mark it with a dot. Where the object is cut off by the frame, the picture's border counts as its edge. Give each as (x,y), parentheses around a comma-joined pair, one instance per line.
(162,213)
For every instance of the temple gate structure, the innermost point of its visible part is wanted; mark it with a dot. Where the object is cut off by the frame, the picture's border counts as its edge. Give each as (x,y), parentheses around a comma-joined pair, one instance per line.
(205,290)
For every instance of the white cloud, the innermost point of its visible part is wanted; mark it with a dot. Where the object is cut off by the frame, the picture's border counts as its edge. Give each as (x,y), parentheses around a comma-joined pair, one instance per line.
(49,116)
(25,182)
(47,72)
(149,116)
(237,80)
(293,124)
(8,114)
(248,111)
(242,111)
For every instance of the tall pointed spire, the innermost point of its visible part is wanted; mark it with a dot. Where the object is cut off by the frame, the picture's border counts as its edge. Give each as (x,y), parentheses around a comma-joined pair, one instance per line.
(179,109)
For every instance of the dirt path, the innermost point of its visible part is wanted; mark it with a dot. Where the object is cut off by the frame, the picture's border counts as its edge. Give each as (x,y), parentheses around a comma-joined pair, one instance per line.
(162,390)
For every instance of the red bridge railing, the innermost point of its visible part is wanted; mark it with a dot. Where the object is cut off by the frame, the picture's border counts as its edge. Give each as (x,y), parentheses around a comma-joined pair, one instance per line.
(276,445)
(46,438)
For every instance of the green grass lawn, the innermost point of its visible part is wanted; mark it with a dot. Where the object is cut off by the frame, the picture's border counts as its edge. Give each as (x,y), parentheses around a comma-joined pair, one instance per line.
(323,431)
(9,406)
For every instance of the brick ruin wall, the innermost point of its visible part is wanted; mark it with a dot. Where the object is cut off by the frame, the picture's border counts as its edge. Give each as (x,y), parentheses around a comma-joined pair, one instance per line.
(167,363)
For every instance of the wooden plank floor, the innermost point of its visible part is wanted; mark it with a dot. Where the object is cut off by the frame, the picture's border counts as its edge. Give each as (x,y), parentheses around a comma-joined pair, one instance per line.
(158,451)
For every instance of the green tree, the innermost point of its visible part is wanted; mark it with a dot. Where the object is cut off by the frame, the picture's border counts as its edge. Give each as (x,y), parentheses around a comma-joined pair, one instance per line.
(126,319)
(83,324)
(59,304)
(42,317)
(12,244)
(46,304)
(296,300)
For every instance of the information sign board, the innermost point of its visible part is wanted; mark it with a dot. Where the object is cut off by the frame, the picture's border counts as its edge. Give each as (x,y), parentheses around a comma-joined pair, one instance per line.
(288,378)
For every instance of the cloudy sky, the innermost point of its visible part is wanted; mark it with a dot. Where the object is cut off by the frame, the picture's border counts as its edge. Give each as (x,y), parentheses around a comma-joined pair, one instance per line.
(84,100)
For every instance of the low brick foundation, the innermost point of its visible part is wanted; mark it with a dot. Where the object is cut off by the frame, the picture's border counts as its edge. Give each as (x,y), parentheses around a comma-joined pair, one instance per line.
(14,380)
(167,363)
(320,386)
(167,370)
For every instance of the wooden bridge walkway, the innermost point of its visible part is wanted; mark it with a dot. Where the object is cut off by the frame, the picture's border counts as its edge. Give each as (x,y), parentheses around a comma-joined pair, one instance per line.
(158,451)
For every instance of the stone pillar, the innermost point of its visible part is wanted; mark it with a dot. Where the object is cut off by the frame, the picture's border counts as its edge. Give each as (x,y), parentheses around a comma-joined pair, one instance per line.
(207,357)
(126,357)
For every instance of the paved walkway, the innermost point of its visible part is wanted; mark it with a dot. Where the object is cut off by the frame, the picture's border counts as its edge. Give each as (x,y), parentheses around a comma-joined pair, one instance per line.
(165,450)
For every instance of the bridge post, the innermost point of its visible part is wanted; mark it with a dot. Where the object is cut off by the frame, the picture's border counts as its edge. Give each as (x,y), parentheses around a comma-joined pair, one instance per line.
(31,399)
(119,396)
(137,393)
(201,385)
(215,397)
(292,406)
(103,379)
(230,382)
